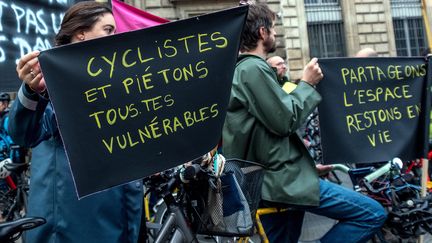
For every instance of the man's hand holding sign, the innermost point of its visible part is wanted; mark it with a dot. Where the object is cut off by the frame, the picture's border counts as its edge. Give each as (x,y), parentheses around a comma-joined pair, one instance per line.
(374,109)
(140,102)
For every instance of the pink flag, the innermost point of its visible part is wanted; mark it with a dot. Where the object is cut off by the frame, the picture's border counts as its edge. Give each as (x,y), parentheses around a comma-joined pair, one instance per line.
(129,18)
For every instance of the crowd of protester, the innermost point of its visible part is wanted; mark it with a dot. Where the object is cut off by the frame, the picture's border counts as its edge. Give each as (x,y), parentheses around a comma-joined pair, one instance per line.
(270,120)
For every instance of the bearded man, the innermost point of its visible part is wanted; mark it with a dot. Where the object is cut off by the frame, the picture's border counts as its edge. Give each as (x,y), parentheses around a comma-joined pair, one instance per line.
(260,126)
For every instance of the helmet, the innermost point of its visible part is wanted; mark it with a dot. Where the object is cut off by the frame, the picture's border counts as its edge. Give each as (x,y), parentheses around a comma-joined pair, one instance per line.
(4,96)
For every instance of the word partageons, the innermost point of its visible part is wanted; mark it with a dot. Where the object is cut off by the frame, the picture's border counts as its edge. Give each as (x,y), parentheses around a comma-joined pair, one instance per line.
(145,71)
(389,89)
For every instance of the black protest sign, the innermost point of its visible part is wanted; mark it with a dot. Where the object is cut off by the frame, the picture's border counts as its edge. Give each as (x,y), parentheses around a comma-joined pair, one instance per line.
(137,103)
(26,26)
(373,109)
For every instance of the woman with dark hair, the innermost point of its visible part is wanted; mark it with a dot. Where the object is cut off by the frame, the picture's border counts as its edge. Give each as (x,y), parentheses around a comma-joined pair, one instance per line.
(109,216)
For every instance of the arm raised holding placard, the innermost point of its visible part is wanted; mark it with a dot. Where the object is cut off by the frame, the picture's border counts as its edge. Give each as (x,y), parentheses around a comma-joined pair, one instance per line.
(261,124)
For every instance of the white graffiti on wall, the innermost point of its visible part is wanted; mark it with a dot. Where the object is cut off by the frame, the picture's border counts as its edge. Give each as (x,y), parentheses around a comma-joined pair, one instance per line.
(33,27)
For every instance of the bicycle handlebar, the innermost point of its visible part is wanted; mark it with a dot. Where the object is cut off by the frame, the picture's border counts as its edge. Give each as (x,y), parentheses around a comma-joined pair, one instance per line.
(164,182)
(394,163)
(341,167)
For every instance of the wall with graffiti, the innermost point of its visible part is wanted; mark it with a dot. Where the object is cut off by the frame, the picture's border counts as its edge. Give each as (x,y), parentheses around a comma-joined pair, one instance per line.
(26,26)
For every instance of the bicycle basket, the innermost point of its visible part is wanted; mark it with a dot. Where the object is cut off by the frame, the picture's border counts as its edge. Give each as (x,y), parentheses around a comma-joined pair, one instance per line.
(231,210)
(249,176)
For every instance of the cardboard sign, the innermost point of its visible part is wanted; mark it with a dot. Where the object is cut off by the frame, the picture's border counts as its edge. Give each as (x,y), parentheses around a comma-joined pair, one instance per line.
(374,109)
(26,26)
(137,103)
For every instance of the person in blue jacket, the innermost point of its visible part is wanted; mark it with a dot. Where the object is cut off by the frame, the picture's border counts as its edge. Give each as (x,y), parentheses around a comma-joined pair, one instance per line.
(109,216)
(5,142)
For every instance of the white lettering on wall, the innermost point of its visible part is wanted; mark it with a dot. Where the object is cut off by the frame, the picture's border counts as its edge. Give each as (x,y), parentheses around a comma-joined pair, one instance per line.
(29,27)
(2,52)
(2,4)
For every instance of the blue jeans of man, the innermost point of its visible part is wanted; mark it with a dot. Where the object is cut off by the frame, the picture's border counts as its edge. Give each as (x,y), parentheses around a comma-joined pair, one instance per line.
(359,216)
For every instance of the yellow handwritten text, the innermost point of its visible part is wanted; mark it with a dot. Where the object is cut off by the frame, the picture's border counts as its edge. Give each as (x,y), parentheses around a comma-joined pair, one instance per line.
(364,74)
(381,137)
(378,94)
(155,103)
(413,111)
(157,128)
(363,120)
(91,94)
(111,116)
(198,70)
(169,48)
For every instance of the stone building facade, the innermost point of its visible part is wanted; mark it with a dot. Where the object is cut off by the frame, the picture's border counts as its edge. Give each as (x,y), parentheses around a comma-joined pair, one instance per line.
(363,23)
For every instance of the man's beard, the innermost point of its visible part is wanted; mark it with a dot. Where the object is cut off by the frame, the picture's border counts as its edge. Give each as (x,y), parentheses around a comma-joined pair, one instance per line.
(269,45)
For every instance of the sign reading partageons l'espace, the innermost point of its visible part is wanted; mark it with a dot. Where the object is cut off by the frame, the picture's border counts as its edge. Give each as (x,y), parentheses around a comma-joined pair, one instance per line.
(374,109)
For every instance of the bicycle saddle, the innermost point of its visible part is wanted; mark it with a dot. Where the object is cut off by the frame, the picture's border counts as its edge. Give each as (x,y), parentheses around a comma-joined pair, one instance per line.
(10,231)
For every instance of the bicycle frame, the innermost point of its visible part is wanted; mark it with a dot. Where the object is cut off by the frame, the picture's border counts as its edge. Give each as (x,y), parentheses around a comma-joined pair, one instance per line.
(18,191)
(176,221)
(174,227)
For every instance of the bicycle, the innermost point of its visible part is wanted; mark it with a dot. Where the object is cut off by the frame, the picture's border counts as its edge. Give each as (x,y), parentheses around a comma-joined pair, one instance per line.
(11,231)
(13,198)
(191,198)
(409,214)
(174,225)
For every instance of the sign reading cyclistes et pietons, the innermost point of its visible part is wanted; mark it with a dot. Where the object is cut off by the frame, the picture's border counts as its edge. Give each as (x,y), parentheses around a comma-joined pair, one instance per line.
(137,103)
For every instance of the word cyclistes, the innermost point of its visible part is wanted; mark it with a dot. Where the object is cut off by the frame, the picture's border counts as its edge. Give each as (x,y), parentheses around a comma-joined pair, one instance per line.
(131,57)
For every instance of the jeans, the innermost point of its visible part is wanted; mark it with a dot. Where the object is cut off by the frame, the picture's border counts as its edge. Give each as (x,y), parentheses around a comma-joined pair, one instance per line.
(359,216)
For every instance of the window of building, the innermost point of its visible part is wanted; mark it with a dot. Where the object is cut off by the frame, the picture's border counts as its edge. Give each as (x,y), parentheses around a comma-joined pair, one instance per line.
(320,1)
(408,27)
(326,40)
(325,28)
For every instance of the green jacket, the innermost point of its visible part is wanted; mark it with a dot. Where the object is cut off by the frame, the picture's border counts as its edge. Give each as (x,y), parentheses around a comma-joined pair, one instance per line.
(261,124)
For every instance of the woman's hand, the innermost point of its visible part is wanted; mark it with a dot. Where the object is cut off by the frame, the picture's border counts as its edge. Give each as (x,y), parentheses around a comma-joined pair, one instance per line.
(29,72)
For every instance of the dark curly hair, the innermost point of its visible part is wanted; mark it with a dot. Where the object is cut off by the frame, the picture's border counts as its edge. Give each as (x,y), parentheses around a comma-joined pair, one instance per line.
(80,17)
(259,15)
